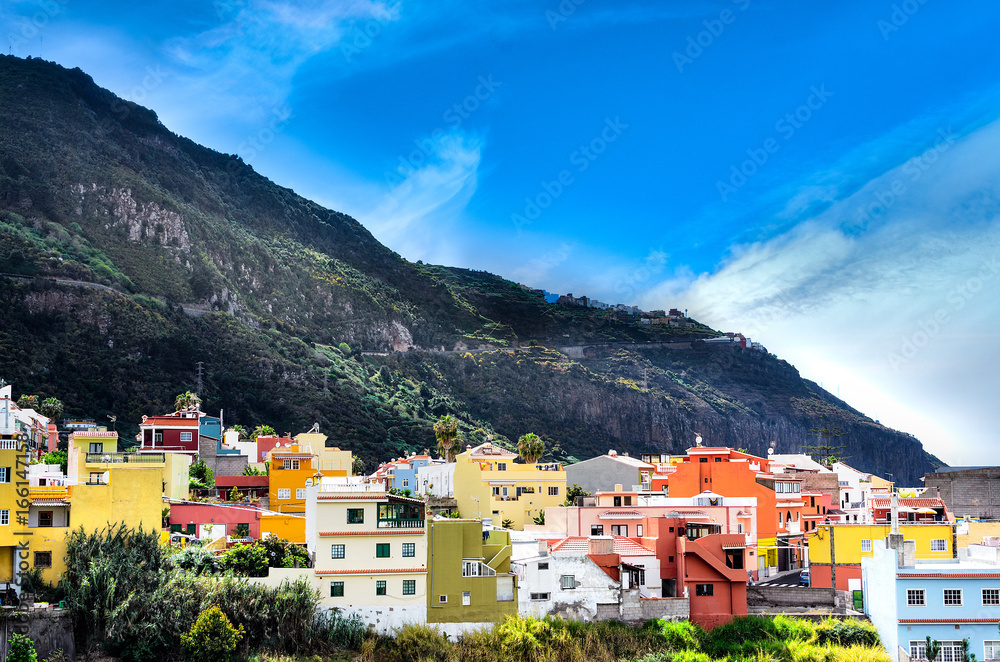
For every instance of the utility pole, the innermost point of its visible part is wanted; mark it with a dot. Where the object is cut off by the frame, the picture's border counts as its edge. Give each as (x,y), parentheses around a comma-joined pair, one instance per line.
(199,376)
(326,375)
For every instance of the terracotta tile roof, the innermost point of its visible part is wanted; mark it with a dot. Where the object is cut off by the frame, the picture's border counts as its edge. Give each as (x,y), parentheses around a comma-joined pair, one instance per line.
(909,502)
(947,575)
(622,546)
(377,532)
(620,514)
(353,497)
(948,620)
(374,571)
(49,502)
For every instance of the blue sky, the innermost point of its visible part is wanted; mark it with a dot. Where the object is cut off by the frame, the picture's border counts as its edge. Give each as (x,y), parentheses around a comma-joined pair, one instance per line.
(595,147)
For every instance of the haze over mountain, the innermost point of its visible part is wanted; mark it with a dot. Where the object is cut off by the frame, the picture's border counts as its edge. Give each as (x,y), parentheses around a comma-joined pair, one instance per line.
(203,260)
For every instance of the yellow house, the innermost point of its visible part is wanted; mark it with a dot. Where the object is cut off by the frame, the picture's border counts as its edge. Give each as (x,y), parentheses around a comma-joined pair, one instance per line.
(11,452)
(292,472)
(975,533)
(836,550)
(94,452)
(489,483)
(330,460)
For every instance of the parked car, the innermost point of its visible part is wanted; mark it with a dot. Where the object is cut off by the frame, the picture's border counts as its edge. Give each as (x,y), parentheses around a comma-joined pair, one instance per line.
(804,578)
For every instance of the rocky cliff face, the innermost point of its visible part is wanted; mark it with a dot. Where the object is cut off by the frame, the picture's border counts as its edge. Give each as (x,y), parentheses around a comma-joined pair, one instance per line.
(203,260)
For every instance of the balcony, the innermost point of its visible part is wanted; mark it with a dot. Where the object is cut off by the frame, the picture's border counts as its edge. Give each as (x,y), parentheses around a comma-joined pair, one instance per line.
(389,523)
(352,487)
(11,445)
(126,458)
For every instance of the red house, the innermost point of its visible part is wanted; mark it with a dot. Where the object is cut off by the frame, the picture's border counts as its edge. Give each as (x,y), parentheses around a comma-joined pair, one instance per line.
(213,520)
(710,571)
(172,433)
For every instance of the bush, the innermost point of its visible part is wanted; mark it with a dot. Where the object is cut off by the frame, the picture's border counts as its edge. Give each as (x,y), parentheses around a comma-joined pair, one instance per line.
(212,638)
(196,559)
(847,632)
(680,635)
(22,649)
(247,560)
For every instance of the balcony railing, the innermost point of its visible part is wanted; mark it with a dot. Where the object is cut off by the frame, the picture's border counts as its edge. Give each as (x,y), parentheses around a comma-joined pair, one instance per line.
(401,523)
(11,444)
(126,458)
(351,487)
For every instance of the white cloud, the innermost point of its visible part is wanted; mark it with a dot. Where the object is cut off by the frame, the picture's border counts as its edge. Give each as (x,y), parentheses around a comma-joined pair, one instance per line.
(888,294)
(538,269)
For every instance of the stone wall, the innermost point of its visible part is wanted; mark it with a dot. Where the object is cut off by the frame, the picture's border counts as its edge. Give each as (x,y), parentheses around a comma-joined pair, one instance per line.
(974,492)
(50,630)
(635,609)
(763,597)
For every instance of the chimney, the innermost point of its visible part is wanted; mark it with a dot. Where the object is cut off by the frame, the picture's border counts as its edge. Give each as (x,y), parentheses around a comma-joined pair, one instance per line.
(602,545)
(618,487)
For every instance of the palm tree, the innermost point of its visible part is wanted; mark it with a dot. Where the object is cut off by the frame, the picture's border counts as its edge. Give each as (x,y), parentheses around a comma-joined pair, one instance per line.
(187,400)
(241,432)
(448,436)
(530,447)
(261,431)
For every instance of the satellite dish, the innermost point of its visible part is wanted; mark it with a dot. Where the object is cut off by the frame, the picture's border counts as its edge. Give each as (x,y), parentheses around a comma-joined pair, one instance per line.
(697,441)
(309,482)
(770,451)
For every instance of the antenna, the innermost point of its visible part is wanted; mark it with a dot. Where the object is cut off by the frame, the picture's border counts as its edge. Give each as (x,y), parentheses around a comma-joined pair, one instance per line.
(199,376)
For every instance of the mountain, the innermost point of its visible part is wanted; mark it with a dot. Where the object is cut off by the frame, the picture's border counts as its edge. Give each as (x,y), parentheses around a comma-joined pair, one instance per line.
(132,256)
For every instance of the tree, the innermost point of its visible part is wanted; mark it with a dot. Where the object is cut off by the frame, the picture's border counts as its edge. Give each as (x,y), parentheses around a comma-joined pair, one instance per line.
(825,452)
(57,457)
(530,447)
(28,402)
(187,400)
(51,408)
(357,466)
(932,649)
(253,471)
(507,524)
(539,518)
(21,649)
(202,474)
(573,492)
(241,432)
(234,494)
(212,638)
(448,436)
(261,431)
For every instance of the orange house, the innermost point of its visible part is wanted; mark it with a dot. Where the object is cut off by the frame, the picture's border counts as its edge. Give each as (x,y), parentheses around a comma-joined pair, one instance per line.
(711,573)
(781,506)
(292,471)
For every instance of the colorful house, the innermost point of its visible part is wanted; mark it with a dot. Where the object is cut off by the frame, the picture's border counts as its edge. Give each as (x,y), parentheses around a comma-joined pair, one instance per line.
(91,453)
(470,578)
(330,460)
(291,474)
(605,471)
(948,600)
(836,551)
(489,483)
(171,433)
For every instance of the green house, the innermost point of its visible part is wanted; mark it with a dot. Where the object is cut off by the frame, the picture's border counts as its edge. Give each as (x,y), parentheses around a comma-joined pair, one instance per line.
(469,578)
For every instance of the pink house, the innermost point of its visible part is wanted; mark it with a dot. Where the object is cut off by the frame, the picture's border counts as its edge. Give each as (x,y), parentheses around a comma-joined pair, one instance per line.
(213,520)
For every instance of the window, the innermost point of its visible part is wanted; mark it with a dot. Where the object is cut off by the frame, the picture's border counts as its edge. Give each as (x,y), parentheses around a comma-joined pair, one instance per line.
(543,566)
(157,437)
(442,598)
(539,596)
(380,587)
(185,436)
(4,474)
(553,491)
(739,528)
(915,597)
(355,515)
(496,490)
(618,502)
(336,589)
(285,493)
(45,518)
(779,521)
(501,466)
(951,651)
(382,550)
(670,559)
(619,530)
(567,581)
(638,530)
(97,448)
(406,482)
(718,459)
(43,559)
(918,650)
(866,545)
(991,596)
(409,587)
(290,464)
(4,517)
(337,551)
(939,545)
(953,597)
(628,501)
(300,493)
(703,459)
(409,549)
(991,650)
(466,598)
(704,589)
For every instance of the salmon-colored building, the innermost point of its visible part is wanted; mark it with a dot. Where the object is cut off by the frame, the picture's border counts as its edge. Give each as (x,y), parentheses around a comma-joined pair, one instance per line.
(724,471)
(711,573)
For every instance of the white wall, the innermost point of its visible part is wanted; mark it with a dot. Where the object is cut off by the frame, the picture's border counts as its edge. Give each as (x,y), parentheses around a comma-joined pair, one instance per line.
(440,476)
(593,586)
(878,576)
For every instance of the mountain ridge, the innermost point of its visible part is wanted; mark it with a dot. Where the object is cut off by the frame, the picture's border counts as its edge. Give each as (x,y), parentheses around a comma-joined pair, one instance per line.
(278,297)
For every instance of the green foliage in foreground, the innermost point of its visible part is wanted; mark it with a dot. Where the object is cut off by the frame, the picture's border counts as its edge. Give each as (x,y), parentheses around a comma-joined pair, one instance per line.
(745,639)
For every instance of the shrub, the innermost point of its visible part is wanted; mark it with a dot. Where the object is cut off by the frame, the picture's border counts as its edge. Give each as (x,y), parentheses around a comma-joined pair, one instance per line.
(861,654)
(423,643)
(847,632)
(212,638)
(247,560)
(680,635)
(196,559)
(21,649)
